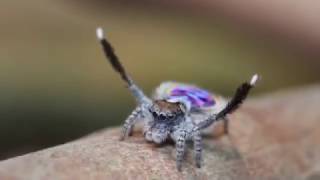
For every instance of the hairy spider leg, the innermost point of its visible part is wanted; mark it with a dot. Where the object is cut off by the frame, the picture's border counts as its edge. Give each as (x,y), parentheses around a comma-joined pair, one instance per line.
(180,148)
(197,147)
(142,100)
(117,66)
(238,98)
(129,123)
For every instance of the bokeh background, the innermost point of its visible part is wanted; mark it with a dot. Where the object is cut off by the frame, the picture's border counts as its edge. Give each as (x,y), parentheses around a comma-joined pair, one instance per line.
(56,85)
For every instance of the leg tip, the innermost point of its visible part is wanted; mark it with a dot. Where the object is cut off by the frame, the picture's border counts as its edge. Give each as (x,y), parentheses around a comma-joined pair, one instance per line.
(254,79)
(122,137)
(179,167)
(198,161)
(198,165)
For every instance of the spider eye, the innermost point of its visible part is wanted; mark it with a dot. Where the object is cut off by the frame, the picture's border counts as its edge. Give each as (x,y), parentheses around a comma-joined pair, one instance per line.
(170,116)
(162,117)
(154,114)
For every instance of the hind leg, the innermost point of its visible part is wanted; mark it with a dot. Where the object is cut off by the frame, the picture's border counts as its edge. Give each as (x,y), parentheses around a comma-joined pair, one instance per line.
(226,125)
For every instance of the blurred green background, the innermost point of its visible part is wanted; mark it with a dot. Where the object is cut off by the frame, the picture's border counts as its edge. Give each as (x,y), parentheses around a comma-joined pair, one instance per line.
(56,85)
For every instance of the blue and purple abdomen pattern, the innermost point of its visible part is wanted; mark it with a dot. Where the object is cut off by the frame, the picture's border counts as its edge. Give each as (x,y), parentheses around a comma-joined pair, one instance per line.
(197,97)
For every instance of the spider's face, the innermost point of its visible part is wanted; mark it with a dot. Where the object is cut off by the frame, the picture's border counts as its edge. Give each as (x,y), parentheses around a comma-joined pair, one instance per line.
(164,111)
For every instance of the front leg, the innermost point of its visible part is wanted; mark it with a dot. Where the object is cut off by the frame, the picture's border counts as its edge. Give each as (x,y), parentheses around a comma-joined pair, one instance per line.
(197,146)
(180,148)
(129,122)
(108,50)
(147,130)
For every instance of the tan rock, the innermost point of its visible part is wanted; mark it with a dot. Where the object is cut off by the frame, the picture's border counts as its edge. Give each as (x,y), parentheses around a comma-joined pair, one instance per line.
(271,137)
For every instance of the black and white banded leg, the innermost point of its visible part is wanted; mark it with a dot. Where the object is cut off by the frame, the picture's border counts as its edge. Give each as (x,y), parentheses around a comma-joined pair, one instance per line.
(117,66)
(180,148)
(238,98)
(147,130)
(197,146)
(127,127)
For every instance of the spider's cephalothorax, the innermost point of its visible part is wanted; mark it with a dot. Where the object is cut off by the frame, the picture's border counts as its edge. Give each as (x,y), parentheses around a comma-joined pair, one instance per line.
(166,116)
(176,111)
(163,110)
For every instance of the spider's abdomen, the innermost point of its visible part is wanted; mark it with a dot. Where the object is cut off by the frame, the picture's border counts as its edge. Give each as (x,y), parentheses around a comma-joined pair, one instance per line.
(196,97)
(200,102)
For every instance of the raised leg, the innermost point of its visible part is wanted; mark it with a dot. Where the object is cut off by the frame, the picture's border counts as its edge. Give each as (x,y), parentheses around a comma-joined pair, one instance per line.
(129,123)
(197,146)
(180,148)
(232,105)
(116,64)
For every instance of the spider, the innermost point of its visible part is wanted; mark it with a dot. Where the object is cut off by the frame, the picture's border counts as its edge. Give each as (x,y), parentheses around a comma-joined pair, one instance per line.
(176,111)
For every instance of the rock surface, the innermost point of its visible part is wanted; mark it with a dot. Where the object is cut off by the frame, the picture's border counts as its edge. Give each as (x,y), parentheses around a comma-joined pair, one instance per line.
(271,137)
